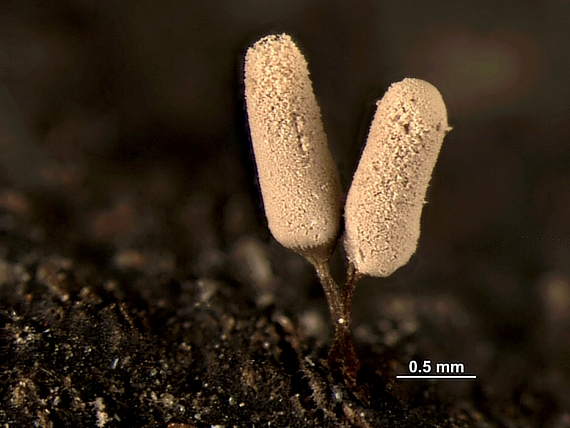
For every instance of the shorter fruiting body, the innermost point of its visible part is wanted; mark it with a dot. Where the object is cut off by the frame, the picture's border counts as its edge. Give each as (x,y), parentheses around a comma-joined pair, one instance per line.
(384,204)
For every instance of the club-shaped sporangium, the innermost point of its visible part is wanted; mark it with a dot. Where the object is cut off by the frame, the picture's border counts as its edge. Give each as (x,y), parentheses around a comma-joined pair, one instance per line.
(297,175)
(385,200)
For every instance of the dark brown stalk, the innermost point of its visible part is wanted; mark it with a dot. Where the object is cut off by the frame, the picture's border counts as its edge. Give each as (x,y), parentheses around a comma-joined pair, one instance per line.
(342,357)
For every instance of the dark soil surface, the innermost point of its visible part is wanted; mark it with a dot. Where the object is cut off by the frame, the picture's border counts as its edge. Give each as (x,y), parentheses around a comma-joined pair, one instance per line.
(140,287)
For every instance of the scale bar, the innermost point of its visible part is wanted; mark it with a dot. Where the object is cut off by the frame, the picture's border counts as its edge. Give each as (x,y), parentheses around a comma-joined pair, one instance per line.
(443,377)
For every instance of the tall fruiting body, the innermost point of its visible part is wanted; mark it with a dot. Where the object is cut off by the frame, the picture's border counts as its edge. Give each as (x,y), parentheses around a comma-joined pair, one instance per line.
(297,175)
(385,200)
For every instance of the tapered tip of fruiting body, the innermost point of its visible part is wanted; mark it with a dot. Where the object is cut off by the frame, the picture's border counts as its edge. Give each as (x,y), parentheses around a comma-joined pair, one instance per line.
(385,200)
(297,175)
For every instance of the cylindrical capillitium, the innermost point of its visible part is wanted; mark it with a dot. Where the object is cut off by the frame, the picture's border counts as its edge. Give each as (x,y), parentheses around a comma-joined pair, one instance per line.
(297,175)
(385,200)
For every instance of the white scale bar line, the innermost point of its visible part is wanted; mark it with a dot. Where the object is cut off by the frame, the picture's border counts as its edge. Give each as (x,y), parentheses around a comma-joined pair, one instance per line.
(435,377)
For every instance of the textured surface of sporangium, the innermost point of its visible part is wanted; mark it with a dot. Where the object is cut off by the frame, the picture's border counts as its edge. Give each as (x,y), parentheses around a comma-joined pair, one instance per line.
(385,200)
(297,175)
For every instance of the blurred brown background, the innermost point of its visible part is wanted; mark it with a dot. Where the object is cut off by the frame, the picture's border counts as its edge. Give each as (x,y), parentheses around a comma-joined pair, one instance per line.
(122,126)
